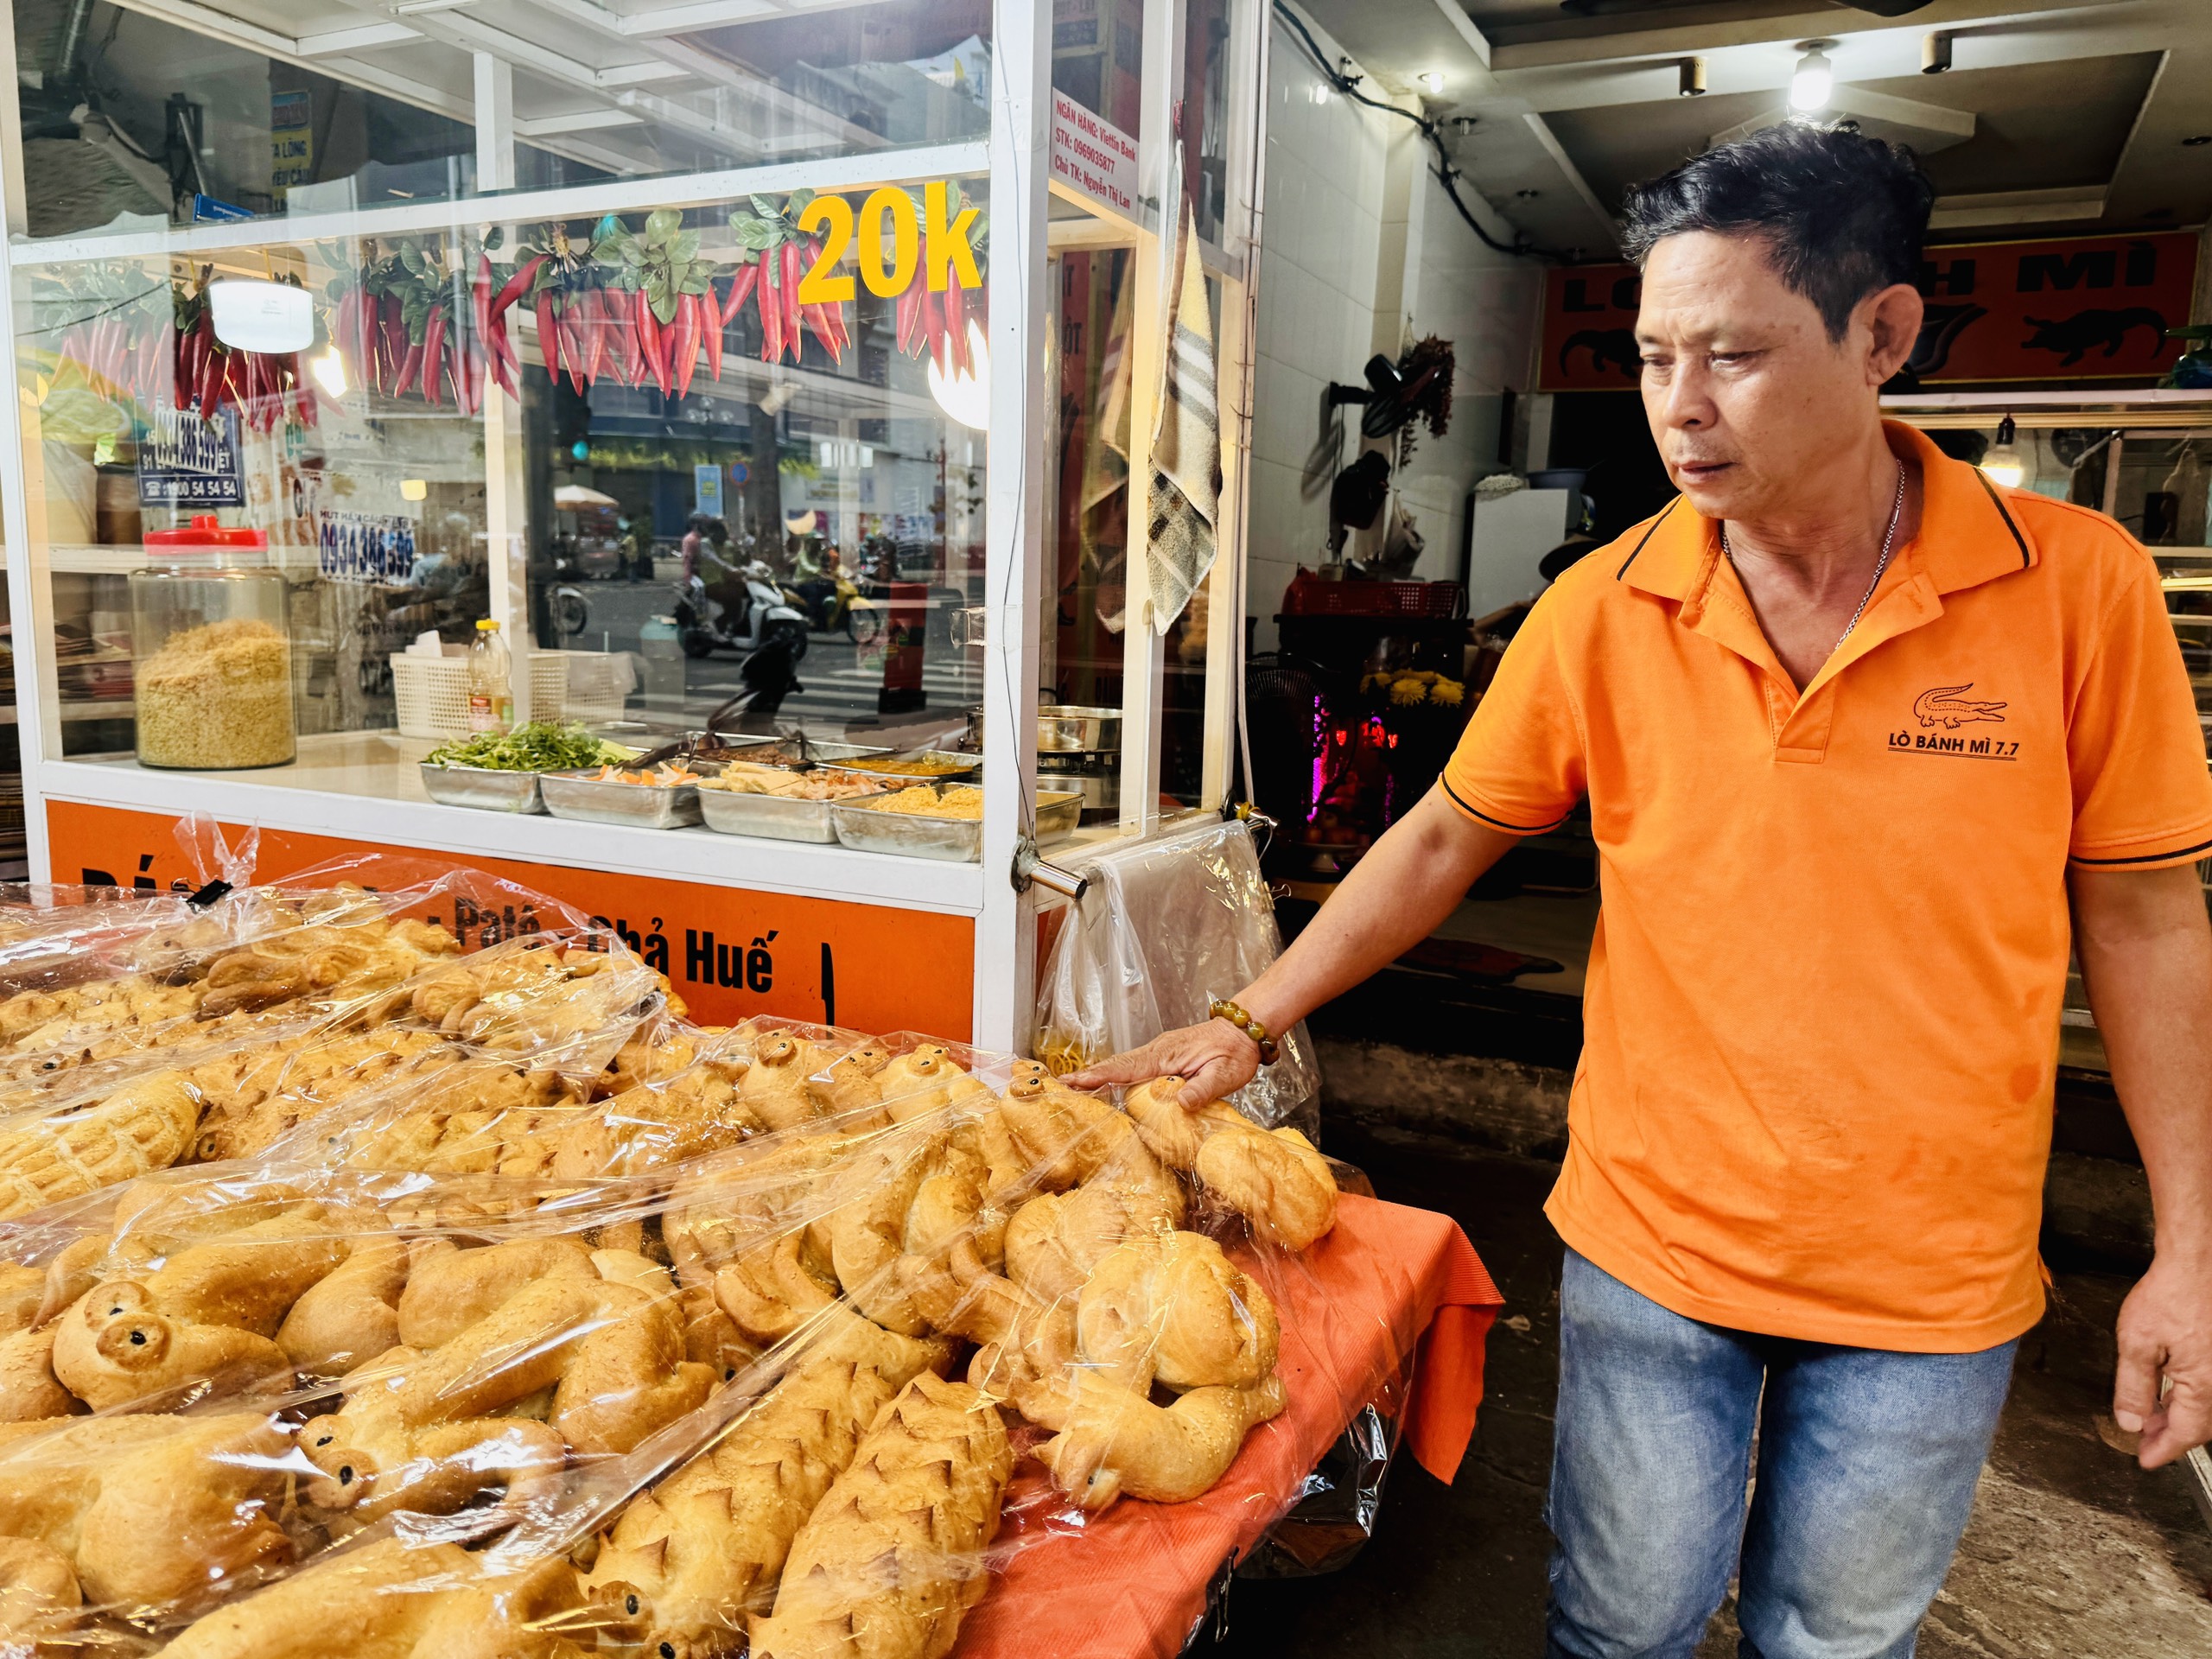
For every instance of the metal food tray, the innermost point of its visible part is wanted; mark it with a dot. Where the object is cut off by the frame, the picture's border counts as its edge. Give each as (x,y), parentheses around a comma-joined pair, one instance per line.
(862,828)
(970,767)
(483,787)
(776,816)
(960,840)
(1058,811)
(580,796)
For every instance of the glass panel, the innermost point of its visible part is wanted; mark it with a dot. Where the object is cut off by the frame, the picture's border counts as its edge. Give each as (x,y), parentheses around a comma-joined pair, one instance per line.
(1205,112)
(782,504)
(1183,694)
(372,508)
(1098,56)
(1082,618)
(811,521)
(131,122)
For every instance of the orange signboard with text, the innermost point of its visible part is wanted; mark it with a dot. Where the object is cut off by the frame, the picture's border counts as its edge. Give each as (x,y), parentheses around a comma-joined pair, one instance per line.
(729,952)
(2081,308)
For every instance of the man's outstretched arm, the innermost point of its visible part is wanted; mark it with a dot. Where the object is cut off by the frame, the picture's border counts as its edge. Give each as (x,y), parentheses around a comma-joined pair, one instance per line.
(2146,949)
(1409,881)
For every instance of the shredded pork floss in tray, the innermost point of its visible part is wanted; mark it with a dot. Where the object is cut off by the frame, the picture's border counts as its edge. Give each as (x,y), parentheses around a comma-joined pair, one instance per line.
(470,1300)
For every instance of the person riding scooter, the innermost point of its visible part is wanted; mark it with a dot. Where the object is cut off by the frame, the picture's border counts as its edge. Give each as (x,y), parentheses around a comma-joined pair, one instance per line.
(728,607)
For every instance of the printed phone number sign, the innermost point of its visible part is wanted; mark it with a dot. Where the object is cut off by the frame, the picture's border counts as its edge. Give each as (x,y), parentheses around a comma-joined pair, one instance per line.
(365,547)
(186,461)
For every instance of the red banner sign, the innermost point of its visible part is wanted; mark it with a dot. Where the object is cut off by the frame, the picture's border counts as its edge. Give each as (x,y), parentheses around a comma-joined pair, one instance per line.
(2085,309)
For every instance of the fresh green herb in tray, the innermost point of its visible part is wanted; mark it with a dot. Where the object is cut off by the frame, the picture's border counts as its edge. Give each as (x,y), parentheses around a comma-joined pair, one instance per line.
(541,746)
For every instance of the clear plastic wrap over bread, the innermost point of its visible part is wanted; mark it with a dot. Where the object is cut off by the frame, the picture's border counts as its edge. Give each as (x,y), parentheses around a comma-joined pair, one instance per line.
(210,1380)
(218,1033)
(527,1314)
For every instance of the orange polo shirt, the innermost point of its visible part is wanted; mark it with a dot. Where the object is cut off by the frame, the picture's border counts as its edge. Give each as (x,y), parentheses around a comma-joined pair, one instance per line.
(1821,1020)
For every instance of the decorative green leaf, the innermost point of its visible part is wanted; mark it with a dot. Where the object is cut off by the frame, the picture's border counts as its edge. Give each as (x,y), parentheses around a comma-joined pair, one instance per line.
(795,204)
(765,207)
(662,223)
(685,246)
(695,282)
(664,305)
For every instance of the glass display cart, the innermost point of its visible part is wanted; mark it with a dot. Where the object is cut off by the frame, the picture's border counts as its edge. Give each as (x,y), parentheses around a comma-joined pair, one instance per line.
(782,380)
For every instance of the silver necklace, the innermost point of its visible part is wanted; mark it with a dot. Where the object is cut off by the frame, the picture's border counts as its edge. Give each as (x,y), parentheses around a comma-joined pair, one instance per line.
(1888,539)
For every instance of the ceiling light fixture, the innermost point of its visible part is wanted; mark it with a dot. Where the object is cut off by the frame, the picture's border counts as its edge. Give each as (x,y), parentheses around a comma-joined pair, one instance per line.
(251,314)
(1693,77)
(1320,91)
(1433,80)
(2004,464)
(1814,82)
(1936,52)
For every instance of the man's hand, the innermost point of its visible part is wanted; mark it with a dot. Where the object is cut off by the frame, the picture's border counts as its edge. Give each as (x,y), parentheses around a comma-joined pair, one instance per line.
(2166,1335)
(1216,1058)
(2145,951)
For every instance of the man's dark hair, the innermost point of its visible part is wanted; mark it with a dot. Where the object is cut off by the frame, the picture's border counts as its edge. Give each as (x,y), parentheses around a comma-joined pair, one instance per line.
(1843,215)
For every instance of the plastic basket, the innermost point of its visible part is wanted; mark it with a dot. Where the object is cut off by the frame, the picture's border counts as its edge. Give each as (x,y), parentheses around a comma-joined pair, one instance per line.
(1309,595)
(432,692)
(598,685)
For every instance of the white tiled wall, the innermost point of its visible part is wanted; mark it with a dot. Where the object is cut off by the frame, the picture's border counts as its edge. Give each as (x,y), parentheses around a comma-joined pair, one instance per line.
(1328,262)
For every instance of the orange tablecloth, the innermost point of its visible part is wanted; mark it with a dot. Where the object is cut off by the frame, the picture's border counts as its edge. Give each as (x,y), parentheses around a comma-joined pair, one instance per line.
(1387,1282)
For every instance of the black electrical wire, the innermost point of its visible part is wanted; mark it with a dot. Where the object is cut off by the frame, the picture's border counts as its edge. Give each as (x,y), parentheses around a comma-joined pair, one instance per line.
(1444,173)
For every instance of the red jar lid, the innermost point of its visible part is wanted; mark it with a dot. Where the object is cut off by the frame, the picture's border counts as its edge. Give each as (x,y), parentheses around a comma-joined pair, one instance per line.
(207,530)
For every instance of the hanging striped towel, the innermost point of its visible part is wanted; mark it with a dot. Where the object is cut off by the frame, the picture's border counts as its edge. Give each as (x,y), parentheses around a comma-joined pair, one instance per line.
(1180,544)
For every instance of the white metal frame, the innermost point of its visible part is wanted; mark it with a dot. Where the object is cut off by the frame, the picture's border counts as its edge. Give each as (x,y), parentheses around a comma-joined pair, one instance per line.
(1016,158)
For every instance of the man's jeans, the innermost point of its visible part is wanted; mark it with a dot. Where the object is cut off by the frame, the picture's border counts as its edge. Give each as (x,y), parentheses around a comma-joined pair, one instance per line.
(1866,1467)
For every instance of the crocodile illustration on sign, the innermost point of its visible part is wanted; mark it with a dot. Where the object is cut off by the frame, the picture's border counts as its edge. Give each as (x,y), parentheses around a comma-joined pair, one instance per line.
(1608,347)
(1944,706)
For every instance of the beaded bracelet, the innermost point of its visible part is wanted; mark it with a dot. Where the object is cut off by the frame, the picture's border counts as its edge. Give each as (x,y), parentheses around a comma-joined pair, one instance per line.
(1221,1008)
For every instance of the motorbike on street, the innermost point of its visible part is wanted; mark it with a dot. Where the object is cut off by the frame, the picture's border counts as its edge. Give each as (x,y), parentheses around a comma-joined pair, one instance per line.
(741,609)
(835,605)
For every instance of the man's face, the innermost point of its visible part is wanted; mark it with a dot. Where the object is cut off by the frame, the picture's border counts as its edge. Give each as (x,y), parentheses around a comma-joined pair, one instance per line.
(1747,394)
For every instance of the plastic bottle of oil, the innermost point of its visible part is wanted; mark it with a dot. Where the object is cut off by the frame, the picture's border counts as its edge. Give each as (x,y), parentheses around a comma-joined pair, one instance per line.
(491,693)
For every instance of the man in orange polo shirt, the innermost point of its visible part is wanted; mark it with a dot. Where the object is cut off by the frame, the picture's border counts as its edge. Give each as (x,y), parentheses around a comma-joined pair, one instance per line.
(1867,742)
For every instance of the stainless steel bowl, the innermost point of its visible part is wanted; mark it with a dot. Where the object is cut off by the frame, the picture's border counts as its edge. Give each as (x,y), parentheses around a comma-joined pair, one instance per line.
(483,788)
(1072,726)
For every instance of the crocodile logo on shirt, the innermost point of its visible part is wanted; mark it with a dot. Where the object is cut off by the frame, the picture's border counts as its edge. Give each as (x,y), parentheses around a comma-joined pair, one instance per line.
(1944,706)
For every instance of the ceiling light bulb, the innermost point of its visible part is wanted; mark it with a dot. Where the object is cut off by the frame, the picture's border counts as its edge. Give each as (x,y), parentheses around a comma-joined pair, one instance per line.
(1809,88)
(966,395)
(1690,81)
(1320,91)
(1433,80)
(414,489)
(2005,464)
(329,371)
(252,315)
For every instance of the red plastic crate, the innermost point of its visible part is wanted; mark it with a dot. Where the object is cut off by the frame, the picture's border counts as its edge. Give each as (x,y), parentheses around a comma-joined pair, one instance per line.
(1309,595)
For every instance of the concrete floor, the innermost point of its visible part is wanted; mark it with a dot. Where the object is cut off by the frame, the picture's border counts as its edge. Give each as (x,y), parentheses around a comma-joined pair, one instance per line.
(2073,1552)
